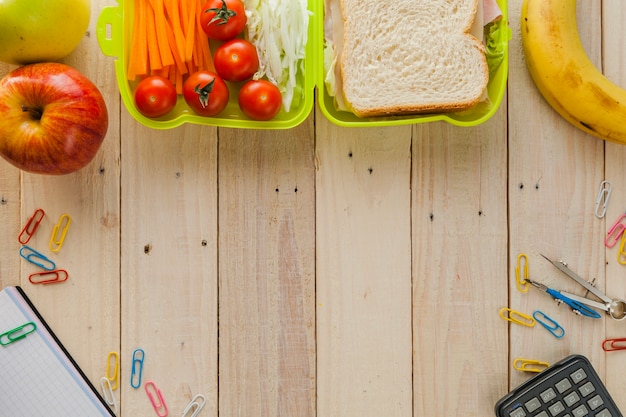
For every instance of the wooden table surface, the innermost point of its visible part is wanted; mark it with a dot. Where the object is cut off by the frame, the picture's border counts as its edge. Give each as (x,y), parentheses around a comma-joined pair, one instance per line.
(327,271)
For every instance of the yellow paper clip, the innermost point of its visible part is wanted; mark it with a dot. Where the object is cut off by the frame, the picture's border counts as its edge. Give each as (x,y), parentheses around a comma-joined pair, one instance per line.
(530,365)
(522,282)
(194,407)
(603,198)
(621,253)
(59,232)
(516,317)
(107,394)
(113,368)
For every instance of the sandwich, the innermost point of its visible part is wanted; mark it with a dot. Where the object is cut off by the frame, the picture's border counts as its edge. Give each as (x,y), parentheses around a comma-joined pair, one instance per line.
(406,56)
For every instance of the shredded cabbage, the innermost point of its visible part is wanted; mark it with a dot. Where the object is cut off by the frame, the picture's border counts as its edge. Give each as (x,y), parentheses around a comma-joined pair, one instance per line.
(278,29)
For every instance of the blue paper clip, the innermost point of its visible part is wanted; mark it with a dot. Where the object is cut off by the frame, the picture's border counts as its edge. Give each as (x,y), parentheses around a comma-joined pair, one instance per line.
(18,333)
(37,258)
(550,325)
(137,368)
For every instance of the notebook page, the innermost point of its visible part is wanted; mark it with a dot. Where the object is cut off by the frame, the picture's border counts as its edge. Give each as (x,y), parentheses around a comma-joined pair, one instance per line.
(36,376)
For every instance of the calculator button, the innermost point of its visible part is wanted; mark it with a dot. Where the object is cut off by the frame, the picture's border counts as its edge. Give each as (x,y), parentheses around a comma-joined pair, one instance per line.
(563,385)
(556,408)
(572,399)
(587,389)
(518,412)
(580,411)
(532,404)
(548,395)
(595,402)
(542,414)
(578,376)
(604,413)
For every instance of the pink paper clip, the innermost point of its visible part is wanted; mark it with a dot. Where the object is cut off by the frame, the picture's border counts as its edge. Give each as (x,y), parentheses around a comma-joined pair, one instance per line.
(49,277)
(615,232)
(31,226)
(156,398)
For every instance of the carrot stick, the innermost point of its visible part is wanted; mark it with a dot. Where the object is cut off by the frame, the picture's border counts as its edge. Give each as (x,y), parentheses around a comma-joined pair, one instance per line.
(174,22)
(173,42)
(138,55)
(153,45)
(160,23)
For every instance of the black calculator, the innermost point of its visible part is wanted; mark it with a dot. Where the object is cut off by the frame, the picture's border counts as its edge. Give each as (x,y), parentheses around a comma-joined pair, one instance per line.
(569,388)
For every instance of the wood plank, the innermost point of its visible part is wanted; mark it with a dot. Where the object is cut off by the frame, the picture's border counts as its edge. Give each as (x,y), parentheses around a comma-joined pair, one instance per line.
(169,264)
(614,66)
(267,272)
(10,221)
(363,271)
(459,267)
(554,173)
(90,253)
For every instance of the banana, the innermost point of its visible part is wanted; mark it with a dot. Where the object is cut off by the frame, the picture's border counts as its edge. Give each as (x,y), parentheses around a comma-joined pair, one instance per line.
(563,73)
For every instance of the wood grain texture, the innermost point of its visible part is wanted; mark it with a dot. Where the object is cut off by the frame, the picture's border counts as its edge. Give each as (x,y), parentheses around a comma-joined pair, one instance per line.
(554,174)
(169,263)
(613,64)
(363,271)
(328,271)
(267,272)
(458,217)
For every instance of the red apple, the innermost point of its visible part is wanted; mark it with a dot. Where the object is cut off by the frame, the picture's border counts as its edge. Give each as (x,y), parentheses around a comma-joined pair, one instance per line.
(53,118)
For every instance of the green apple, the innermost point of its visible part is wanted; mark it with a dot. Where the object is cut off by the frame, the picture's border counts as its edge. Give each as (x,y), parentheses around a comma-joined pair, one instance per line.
(41,30)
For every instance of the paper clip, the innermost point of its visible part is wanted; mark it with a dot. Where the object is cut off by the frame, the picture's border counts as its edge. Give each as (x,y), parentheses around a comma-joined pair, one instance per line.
(31,226)
(49,277)
(36,258)
(604,194)
(522,282)
(615,232)
(194,407)
(621,253)
(137,368)
(107,393)
(158,402)
(550,325)
(516,317)
(56,240)
(530,365)
(610,345)
(113,374)
(18,333)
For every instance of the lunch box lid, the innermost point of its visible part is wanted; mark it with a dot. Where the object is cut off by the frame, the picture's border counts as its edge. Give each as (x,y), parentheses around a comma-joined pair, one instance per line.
(113,31)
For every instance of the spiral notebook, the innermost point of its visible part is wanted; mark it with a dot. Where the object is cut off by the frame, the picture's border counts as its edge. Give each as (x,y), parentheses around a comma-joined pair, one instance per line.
(38,377)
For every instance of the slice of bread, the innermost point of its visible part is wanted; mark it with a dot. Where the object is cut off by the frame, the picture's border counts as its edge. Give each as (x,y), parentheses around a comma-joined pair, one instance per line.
(411,56)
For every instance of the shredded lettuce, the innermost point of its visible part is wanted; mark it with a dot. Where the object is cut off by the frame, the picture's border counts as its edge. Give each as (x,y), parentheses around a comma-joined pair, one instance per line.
(279,30)
(494,45)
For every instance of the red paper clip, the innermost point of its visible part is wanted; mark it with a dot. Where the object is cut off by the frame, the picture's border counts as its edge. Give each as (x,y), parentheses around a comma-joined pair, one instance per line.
(158,403)
(49,277)
(610,345)
(31,226)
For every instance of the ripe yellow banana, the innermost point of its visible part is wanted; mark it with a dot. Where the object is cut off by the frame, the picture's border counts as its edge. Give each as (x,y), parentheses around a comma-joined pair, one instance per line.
(563,73)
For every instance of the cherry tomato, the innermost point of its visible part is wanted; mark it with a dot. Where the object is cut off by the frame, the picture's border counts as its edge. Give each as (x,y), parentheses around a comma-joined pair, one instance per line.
(206,93)
(236,60)
(260,99)
(222,20)
(155,96)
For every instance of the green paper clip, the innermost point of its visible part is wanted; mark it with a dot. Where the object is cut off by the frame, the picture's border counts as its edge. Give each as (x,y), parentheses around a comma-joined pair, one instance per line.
(18,333)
